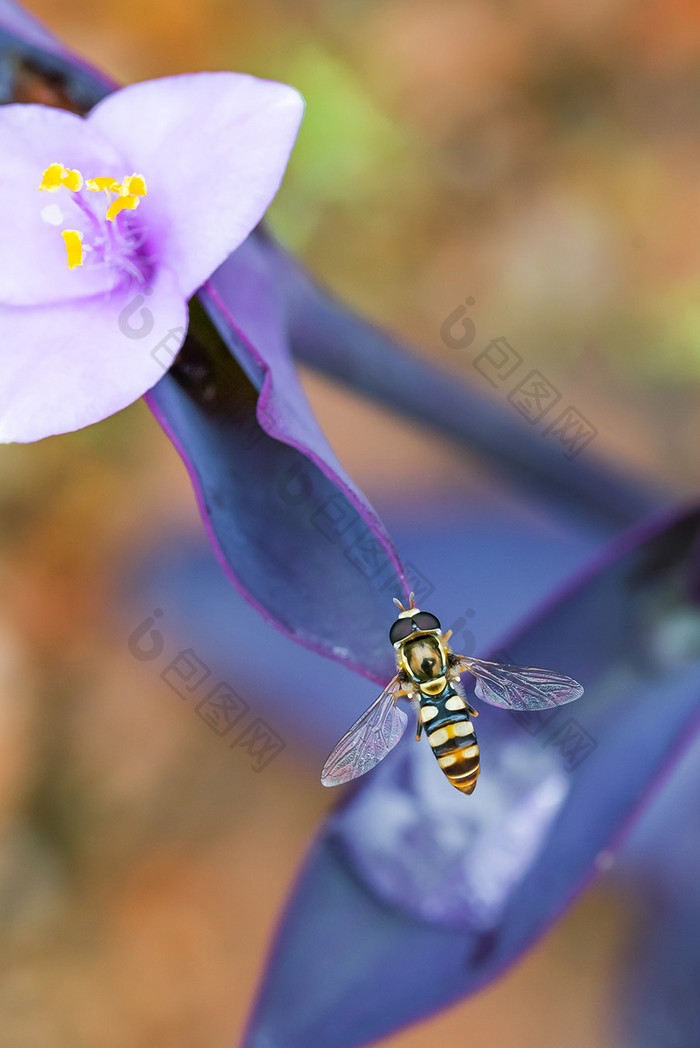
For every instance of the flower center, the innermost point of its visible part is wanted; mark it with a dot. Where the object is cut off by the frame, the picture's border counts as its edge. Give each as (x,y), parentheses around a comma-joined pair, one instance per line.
(108,235)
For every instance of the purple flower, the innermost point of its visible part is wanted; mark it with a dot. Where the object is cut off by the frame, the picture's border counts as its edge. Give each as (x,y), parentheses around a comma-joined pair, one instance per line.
(212,149)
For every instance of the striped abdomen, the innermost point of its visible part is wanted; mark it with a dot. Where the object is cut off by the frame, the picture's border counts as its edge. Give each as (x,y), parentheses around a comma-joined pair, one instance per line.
(451,735)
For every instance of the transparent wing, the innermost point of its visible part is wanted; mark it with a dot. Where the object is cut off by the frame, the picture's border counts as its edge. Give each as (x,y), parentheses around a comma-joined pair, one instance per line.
(520,687)
(368,741)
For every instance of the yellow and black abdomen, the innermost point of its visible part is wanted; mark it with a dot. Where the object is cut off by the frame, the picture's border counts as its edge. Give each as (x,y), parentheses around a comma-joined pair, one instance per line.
(451,735)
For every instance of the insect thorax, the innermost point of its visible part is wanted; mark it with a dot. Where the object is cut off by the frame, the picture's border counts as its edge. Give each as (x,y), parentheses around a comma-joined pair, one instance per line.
(423,659)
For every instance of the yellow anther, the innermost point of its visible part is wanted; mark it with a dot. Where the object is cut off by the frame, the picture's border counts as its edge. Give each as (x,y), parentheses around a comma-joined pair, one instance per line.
(129,191)
(56,175)
(74,247)
(98,184)
(51,179)
(119,204)
(135,184)
(72,180)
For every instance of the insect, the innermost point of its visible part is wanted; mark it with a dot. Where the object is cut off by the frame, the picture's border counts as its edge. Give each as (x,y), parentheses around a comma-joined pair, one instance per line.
(429,678)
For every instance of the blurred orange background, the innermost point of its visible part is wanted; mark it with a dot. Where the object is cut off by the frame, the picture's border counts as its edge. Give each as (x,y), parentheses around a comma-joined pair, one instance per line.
(542,158)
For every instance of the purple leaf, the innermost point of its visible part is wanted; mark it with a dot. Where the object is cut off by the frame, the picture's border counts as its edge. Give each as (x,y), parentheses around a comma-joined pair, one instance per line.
(290,528)
(659,863)
(660,1002)
(36,67)
(422,895)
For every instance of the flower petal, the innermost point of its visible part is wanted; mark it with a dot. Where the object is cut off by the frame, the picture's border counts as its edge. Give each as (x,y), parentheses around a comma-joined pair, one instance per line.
(73,363)
(33,267)
(213,148)
(629,629)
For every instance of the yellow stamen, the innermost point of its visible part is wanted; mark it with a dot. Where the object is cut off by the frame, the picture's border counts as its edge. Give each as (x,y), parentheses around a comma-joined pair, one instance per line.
(129,191)
(51,179)
(135,184)
(119,204)
(74,247)
(72,180)
(56,175)
(98,184)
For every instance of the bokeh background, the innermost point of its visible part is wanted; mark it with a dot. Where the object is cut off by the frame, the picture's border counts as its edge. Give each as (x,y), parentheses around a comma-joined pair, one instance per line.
(542,158)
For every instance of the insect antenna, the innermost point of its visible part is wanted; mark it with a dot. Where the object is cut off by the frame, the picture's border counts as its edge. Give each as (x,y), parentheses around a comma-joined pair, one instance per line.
(412,599)
(398,603)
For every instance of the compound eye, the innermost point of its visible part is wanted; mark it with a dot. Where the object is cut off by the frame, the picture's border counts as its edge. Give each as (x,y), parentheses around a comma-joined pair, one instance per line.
(425,621)
(401,629)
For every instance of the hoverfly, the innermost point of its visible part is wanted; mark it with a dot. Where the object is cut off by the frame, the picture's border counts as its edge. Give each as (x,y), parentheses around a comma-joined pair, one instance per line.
(429,678)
